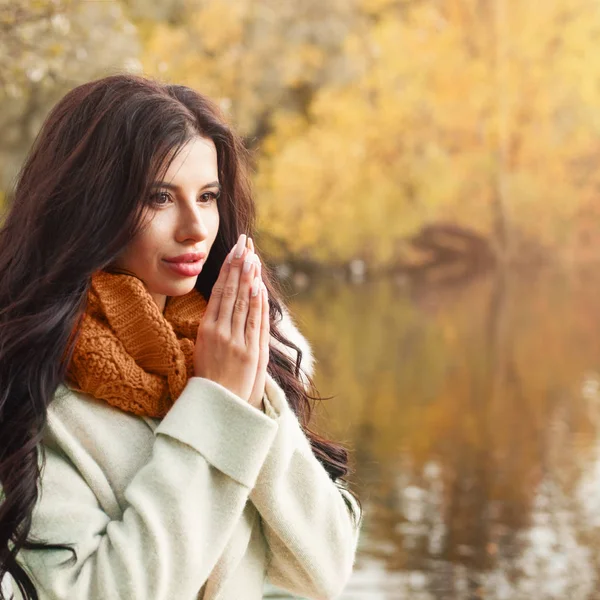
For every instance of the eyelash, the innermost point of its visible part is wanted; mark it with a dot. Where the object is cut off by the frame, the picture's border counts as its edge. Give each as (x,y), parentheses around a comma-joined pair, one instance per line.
(214,197)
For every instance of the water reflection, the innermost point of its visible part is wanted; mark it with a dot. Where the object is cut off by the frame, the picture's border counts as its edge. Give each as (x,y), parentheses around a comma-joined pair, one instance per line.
(473,415)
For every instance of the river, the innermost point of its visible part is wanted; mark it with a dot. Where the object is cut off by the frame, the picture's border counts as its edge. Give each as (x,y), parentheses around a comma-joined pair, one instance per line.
(472,414)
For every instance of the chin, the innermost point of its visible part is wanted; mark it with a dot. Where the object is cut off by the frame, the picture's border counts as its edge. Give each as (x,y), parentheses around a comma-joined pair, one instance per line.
(179,288)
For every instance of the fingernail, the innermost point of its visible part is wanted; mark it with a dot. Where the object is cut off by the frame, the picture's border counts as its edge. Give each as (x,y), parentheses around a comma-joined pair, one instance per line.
(255,286)
(248,261)
(230,255)
(251,244)
(239,247)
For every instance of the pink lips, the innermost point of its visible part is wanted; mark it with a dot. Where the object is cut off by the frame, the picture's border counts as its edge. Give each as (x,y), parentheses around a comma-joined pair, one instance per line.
(187,265)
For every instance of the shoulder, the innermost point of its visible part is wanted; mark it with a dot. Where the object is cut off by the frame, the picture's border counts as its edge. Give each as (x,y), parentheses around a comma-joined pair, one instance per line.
(105,446)
(290,330)
(81,418)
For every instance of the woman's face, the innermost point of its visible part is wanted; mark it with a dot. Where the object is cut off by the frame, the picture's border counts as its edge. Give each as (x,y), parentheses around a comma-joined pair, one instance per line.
(182,224)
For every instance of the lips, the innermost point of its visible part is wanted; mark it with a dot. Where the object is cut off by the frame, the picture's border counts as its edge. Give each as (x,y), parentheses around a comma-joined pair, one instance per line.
(189,257)
(187,265)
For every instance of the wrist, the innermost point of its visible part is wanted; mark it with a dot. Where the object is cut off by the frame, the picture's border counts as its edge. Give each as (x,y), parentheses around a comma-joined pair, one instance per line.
(260,405)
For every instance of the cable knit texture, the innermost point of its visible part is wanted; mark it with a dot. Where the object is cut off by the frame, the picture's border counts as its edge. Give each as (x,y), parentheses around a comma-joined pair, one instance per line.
(128,352)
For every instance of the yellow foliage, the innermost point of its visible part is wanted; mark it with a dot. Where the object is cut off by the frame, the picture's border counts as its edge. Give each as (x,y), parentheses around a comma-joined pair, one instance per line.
(412,113)
(372,117)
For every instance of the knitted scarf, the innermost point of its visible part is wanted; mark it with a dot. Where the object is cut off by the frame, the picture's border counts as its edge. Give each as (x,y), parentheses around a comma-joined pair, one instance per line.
(130,354)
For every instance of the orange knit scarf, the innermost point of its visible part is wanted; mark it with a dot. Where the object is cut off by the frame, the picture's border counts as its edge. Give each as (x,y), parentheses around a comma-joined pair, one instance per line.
(129,353)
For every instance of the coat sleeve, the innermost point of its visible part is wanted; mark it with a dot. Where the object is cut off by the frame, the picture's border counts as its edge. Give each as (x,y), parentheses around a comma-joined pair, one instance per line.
(311,523)
(182,506)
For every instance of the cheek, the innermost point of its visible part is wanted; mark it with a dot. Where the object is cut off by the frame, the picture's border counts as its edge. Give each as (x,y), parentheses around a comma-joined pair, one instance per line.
(152,238)
(143,249)
(133,257)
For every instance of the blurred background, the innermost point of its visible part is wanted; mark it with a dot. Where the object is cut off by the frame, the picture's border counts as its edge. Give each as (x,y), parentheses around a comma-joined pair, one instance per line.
(427,176)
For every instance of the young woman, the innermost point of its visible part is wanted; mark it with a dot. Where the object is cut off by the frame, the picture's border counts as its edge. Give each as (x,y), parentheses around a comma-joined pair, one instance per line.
(154,392)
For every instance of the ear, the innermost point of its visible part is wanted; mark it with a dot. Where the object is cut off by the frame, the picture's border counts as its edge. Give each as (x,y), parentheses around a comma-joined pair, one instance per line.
(289,330)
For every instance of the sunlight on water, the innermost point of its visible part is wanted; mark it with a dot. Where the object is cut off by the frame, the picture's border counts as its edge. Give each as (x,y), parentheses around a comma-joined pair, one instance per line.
(473,415)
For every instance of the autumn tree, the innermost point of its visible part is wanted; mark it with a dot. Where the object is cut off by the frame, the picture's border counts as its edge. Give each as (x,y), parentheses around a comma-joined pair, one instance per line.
(478,113)
(46,48)
(368,118)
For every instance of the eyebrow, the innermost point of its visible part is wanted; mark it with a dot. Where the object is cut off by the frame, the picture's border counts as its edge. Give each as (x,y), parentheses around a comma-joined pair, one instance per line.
(171,186)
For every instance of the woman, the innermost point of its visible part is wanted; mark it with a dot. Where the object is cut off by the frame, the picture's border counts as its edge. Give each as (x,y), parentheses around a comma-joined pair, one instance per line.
(154,392)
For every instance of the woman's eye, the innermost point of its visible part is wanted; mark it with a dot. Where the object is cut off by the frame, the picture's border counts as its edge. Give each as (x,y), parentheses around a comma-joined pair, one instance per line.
(209,197)
(160,198)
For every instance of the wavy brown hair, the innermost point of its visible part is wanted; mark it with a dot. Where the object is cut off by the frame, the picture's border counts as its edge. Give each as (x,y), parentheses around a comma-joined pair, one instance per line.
(79,199)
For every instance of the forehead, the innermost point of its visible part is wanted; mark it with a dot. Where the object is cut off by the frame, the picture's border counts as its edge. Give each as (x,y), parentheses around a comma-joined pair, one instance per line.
(195,161)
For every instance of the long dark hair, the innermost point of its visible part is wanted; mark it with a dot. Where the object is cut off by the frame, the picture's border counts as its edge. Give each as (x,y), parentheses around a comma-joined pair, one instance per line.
(79,199)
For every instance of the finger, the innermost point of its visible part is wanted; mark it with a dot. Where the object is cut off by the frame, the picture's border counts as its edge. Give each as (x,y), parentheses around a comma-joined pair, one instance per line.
(242,304)
(263,359)
(259,265)
(251,332)
(230,288)
(253,250)
(265,325)
(238,249)
(264,330)
(214,302)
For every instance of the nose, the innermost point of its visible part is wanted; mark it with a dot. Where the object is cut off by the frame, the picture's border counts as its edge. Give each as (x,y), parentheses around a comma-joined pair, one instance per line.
(191,225)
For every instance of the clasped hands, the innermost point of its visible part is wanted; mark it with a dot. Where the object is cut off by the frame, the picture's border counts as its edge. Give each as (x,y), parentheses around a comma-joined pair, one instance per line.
(232,346)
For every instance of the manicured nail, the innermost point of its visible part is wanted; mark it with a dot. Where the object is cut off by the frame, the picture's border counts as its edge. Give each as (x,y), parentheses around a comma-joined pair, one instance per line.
(230,255)
(250,244)
(255,286)
(248,262)
(239,247)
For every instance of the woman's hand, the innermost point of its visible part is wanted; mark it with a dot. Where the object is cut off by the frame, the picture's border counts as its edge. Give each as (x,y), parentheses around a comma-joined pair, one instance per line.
(230,346)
